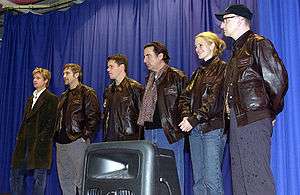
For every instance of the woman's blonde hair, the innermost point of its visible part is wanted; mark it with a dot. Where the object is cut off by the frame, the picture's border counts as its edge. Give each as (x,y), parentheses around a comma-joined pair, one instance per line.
(211,37)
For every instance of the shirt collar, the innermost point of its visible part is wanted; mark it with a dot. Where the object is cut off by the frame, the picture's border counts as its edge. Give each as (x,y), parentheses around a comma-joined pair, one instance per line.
(38,93)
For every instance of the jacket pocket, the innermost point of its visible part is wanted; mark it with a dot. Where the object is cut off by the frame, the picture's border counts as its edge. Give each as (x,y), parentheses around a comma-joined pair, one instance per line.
(126,105)
(252,95)
(244,62)
(170,95)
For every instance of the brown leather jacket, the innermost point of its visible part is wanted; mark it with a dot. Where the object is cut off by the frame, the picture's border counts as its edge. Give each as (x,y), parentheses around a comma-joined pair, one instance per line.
(202,100)
(82,114)
(169,87)
(256,79)
(121,111)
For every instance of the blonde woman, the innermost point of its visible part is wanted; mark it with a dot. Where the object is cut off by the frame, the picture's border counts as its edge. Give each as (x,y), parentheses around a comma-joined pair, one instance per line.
(201,106)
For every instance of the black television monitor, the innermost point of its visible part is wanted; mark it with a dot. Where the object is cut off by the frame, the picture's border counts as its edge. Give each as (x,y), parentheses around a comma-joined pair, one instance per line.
(129,168)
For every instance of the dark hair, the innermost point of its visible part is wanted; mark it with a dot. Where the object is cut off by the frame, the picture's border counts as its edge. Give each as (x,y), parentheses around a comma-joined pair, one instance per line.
(75,68)
(158,48)
(119,59)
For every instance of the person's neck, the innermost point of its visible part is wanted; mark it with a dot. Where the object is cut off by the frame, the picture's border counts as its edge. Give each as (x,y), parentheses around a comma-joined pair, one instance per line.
(40,89)
(160,66)
(120,78)
(239,33)
(74,84)
(208,57)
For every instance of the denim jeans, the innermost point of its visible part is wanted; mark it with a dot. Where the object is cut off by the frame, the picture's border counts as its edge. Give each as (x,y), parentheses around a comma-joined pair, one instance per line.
(18,183)
(207,156)
(157,137)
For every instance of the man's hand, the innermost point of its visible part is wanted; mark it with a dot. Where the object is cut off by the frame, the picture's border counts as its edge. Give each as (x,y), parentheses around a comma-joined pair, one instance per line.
(185,125)
(273,122)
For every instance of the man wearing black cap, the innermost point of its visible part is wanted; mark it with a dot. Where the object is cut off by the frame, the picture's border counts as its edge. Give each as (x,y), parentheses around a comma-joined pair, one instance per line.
(255,84)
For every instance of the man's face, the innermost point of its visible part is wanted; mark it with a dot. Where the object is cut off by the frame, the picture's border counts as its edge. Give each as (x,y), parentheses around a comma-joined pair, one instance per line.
(203,49)
(38,81)
(152,60)
(114,70)
(230,24)
(69,76)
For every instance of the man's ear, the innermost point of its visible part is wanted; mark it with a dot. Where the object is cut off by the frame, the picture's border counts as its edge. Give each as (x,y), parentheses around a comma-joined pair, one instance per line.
(161,56)
(76,75)
(47,82)
(123,66)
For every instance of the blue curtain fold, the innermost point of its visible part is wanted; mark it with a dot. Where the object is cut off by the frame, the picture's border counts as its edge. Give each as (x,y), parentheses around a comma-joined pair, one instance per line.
(281,25)
(89,32)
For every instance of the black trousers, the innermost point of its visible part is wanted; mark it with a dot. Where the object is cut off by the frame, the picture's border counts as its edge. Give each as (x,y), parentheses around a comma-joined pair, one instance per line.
(250,148)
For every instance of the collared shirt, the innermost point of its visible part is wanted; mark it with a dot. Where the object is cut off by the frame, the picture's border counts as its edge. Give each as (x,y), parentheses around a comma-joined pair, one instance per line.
(36,95)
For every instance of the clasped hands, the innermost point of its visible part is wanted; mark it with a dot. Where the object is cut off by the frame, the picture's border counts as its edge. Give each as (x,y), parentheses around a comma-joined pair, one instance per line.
(185,125)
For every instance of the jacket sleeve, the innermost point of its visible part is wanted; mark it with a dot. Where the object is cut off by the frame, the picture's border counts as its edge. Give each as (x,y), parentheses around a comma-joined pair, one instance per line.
(274,74)
(184,101)
(92,113)
(137,99)
(105,113)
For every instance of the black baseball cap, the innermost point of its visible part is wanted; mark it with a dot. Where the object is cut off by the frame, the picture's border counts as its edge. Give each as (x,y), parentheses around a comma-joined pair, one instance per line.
(237,9)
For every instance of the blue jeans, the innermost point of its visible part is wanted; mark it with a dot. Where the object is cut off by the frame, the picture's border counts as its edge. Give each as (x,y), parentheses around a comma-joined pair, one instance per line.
(157,137)
(207,156)
(18,183)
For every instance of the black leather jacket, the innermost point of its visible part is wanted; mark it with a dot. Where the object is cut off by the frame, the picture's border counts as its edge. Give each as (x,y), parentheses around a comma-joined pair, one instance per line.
(82,114)
(202,100)
(169,87)
(256,79)
(121,111)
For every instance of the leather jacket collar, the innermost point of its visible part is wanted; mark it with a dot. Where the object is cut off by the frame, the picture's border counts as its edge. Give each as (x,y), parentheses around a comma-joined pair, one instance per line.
(121,85)
(241,40)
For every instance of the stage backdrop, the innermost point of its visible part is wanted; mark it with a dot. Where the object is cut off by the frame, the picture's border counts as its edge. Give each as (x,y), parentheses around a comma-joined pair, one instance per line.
(88,33)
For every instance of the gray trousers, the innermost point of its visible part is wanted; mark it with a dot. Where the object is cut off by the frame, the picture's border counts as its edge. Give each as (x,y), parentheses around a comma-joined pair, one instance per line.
(250,148)
(70,158)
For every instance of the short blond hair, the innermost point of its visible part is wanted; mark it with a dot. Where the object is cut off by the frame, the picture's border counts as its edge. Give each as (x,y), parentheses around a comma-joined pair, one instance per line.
(46,74)
(211,37)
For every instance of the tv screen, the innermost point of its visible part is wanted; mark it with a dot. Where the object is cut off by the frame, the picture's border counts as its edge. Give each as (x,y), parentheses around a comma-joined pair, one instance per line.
(114,164)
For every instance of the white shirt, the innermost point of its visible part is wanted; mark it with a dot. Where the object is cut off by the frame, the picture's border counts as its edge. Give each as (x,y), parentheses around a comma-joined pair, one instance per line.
(36,96)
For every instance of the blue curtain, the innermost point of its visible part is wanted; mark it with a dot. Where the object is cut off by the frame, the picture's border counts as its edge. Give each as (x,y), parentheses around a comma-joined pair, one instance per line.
(280,23)
(88,33)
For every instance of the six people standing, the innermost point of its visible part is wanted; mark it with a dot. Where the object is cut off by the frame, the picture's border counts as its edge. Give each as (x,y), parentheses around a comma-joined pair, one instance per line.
(247,94)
